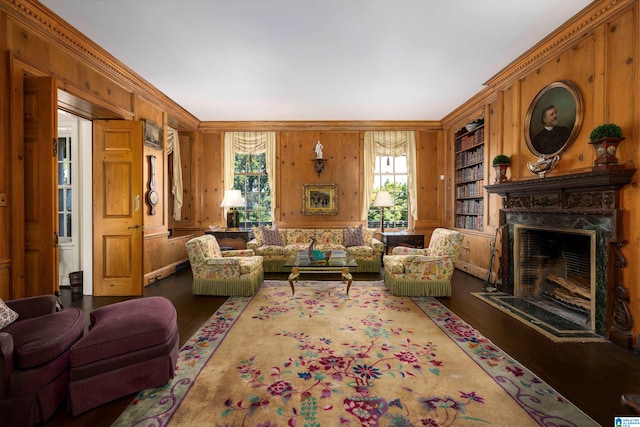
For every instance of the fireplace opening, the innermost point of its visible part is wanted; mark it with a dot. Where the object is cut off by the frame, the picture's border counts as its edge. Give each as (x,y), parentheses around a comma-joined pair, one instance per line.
(554,269)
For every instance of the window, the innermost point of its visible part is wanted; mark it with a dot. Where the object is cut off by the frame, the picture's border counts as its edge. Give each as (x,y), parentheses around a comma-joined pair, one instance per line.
(64,189)
(250,177)
(391,175)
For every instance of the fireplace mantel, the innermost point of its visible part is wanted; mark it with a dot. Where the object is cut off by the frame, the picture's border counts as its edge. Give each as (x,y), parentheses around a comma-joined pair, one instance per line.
(586,200)
(593,190)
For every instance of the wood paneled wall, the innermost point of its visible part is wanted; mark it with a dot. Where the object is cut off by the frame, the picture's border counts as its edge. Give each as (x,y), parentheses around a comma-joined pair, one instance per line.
(599,51)
(343,148)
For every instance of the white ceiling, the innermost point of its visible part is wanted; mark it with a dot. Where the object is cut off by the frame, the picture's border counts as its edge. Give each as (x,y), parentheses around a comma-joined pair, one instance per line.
(317,59)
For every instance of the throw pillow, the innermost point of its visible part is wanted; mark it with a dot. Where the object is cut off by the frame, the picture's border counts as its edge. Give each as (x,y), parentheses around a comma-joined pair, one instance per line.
(271,236)
(7,316)
(354,236)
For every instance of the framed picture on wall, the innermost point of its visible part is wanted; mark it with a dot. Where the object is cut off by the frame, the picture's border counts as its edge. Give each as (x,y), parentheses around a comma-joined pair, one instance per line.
(152,135)
(320,199)
(553,119)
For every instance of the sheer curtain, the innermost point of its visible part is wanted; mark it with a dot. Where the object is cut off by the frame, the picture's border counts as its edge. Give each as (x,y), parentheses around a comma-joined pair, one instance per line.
(251,143)
(393,144)
(173,146)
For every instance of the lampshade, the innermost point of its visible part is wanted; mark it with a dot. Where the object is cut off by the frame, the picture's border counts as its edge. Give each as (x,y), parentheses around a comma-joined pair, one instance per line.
(383,200)
(232,199)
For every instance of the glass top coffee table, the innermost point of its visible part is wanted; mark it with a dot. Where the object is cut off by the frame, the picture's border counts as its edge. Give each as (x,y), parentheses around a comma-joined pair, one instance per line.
(301,264)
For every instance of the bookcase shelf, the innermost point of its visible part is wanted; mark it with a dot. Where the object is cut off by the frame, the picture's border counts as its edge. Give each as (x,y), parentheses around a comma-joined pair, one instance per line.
(469,176)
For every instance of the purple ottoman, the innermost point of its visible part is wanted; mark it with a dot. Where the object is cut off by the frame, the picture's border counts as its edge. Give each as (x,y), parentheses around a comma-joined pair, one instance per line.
(131,346)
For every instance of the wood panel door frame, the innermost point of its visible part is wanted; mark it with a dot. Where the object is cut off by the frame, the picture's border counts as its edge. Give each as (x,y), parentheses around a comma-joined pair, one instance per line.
(20,269)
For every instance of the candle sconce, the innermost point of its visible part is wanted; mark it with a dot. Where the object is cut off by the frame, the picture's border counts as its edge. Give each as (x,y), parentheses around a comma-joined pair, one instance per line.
(319,165)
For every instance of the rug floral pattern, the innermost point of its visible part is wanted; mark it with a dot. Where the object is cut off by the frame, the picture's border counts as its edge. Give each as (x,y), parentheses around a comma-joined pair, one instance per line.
(365,369)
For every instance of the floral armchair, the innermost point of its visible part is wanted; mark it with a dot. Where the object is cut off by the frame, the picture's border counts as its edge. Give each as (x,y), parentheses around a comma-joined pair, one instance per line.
(216,272)
(424,272)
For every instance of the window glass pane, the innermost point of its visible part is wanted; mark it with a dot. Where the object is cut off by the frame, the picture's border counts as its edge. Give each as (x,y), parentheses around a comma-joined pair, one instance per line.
(60,174)
(68,200)
(60,200)
(62,148)
(68,230)
(391,177)
(252,180)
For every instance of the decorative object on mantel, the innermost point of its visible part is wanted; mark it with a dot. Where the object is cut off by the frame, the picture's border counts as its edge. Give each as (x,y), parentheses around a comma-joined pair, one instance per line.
(319,160)
(543,165)
(605,139)
(501,163)
(233,200)
(383,200)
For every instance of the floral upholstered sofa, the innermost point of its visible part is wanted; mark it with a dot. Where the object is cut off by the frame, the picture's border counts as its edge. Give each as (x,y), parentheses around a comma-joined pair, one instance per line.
(356,241)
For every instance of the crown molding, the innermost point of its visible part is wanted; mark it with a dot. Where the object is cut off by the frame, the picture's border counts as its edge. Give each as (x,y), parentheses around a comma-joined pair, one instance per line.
(61,33)
(343,125)
(574,30)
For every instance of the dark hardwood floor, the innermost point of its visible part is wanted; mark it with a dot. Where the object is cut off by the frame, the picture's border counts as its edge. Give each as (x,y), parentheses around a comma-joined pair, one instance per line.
(593,376)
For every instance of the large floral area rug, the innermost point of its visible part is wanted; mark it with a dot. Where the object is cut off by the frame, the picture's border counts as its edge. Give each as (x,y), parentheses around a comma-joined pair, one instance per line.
(322,359)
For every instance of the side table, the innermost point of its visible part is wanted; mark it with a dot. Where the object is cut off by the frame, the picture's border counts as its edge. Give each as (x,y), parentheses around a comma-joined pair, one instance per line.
(231,239)
(391,239)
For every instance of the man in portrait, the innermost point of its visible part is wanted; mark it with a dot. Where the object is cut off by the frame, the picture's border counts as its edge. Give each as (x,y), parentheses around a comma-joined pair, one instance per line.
(552,136)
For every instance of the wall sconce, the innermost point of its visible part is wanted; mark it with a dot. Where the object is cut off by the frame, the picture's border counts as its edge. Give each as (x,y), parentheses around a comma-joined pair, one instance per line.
(233,200)
(319,160)
(383,200)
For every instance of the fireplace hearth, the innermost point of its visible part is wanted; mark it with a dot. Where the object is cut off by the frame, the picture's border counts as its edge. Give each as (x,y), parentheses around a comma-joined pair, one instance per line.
(561,247)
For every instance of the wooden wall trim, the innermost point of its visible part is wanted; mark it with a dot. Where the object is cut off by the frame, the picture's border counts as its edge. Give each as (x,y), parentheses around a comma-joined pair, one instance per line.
(344,125)
(63,34)
(566,35)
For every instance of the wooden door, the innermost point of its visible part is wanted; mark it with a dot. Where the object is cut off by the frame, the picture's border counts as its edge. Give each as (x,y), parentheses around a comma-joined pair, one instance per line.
(117,208)
(40,186)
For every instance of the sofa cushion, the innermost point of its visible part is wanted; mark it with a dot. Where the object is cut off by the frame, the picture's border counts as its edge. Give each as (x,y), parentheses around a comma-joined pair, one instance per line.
(257,234)
(124,327)
(7,316)
(299,236)
(354,236)
(271,236)
(40,339)
(329,236)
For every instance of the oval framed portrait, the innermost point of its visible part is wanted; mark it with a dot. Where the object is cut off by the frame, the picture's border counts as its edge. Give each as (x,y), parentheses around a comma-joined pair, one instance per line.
(553,119)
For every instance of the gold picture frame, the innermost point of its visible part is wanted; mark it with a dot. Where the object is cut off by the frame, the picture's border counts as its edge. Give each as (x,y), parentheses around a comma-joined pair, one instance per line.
(561,98)
(320,199)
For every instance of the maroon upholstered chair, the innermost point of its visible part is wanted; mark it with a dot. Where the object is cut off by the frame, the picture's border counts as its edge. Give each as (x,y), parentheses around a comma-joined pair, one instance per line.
(131,346)
(34,359)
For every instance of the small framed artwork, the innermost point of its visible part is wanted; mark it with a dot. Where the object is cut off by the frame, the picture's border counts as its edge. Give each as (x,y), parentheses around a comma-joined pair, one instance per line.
(152,135)
(320,199)
(553,119)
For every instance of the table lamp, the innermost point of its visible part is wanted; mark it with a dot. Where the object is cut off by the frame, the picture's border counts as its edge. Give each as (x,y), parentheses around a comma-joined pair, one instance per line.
(233,200)
(383,200)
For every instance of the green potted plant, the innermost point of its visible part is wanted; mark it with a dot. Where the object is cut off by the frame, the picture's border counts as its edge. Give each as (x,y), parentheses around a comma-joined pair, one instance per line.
(501,163)
(605,139)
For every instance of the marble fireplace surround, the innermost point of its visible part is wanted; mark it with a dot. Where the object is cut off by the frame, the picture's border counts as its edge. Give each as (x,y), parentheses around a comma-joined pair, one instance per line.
(580,201)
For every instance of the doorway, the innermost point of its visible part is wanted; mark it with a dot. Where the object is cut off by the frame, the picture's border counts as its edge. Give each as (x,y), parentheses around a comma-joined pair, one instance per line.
(75,241)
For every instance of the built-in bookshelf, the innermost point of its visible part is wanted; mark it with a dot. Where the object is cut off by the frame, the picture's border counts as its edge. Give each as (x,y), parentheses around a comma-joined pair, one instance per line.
(469,149)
